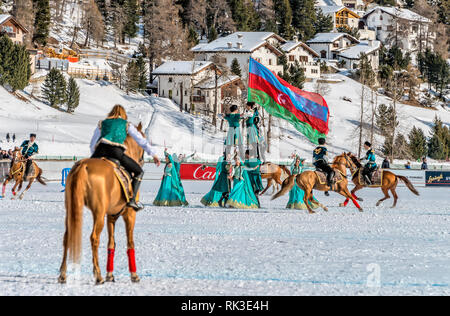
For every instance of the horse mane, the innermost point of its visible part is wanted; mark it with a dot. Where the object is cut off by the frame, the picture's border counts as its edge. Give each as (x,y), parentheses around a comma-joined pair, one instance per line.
(355,160)
(131,144)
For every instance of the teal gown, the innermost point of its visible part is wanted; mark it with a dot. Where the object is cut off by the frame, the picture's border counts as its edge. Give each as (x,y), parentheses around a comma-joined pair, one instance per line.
(296,194)
(242,195)
(234,136)
(212,198)
(252,131)
(171,192)
(255,175)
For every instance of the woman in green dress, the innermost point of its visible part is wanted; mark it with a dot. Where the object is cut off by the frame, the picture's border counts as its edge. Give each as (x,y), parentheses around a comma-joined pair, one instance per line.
(296,194)
(242,195)
(171,192)
(213,197)
(234,135)
(222,184)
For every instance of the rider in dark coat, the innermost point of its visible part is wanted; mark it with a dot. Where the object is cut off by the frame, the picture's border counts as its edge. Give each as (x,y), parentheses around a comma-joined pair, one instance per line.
(320,161)
(29,149)
(370,162)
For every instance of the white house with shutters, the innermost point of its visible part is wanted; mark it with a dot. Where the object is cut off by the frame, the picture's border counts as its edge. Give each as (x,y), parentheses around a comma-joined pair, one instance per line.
(397,26)
(265,47)
(298,51)
(192,85)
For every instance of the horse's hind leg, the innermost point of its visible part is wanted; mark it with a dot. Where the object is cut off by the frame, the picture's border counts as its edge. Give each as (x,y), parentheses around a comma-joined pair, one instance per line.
(99,222)
(63,269)
(394,194)
(111,249)
(356,188)
(130,220)
(269,183)
(386,196)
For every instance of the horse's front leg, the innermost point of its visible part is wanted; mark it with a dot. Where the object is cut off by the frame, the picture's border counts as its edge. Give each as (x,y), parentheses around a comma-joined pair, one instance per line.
(111,249)
(130,220)
(13,190)
(26,189)
(99,222)
(4,186)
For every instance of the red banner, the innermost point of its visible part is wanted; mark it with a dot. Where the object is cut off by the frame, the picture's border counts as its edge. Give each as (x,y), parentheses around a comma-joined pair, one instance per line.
(196,172)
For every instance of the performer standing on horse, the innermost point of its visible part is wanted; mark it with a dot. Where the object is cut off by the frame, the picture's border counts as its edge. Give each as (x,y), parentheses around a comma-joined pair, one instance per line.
(108,142)
(320,161)
(370,163)
(29,148)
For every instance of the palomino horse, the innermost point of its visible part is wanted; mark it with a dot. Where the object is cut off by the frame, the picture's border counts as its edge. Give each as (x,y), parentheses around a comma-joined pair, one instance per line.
(17,173)
(92,183)
(389,183)
(308,181)
(273,172)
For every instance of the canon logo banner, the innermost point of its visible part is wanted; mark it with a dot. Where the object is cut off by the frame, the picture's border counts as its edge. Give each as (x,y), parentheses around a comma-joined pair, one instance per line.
(196,172)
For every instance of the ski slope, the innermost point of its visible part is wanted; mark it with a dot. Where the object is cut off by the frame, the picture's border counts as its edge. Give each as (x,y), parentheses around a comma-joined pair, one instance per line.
(271,251)
(63,134)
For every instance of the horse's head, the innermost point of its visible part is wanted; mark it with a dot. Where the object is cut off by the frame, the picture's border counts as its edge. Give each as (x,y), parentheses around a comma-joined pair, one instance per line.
(354,159)
(133,149)
(16,154)
(343,162)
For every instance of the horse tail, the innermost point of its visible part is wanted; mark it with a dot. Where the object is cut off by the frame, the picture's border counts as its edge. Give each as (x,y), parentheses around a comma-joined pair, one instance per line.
(408,184)
(287,186)
(40,179)
(285,169)
(75,197)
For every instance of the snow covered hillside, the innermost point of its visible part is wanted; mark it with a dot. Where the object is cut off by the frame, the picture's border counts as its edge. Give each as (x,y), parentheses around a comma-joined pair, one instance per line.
(63,134)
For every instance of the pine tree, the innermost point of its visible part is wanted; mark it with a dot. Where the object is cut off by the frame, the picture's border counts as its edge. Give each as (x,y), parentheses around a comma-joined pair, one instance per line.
(293,73)
(212,36)
(142,71)
(244,15)
(417,143)
(73,95)
(193,36)
(133,78)
(323,23)
(283,17)
(384,119)
(439,142)
(132,18)
(303,18)
(236,68)
(14,64)
(41,21)
(54,88)
(6,59)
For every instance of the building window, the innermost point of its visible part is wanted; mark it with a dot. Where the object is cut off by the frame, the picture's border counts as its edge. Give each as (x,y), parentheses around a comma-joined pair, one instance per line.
(381,18)
(323,54)
(291,58)
(170,79)
(314,71)
(378,28)
(270,62)
(304,59)
(336,45)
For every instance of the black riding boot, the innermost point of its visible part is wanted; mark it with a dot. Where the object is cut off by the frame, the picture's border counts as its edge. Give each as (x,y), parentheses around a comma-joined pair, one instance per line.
(330,178)
(136,184)
(223,198)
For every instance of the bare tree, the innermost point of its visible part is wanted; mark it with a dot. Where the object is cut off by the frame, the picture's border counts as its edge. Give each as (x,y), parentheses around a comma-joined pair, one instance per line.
(23,10)
(92,22)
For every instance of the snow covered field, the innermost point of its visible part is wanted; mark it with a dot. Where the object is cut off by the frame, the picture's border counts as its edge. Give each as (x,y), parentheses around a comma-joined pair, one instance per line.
(271,251)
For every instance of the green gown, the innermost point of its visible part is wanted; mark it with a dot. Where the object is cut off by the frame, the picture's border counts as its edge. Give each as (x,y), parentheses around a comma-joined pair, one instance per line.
(252,131)
(212,198)
(222,183)
(255,175)
(234,136)
(296,194)
(242,195)
(171,192)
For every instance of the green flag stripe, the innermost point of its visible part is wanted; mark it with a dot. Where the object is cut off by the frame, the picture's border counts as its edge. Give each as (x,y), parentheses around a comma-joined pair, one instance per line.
(273,108)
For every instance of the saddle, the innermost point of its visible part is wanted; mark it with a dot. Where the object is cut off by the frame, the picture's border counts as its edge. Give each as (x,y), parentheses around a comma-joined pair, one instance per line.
(123,176)
(376,178)
(322,176)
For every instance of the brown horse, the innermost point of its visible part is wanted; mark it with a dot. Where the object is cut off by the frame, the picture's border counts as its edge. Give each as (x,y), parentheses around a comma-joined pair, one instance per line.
(92,183)
(389,183)
(17,173)
(273,172)
(308,181)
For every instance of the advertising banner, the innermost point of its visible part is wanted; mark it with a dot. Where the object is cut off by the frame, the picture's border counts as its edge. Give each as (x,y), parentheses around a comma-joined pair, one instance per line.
(197,172)
(438,178)
(417,177)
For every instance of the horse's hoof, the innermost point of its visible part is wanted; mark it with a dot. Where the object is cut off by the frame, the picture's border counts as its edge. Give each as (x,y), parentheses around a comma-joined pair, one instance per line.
(62,280)
(99,282)
(312,212)
(325,209)
(110,278)
(360,199)
(135,279)
(21,197)
(341,204)
(378,204)
(361,210)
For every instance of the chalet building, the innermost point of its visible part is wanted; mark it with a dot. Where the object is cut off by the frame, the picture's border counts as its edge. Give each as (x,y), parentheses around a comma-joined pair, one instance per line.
(402,27)
(298,51)
(12,28)
(357,6)
(192,84)
(351,56)
(264,47)
(342,16)
(329,45)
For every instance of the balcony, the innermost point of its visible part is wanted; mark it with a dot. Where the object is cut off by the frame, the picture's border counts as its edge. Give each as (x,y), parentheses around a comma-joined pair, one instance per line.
(198,99)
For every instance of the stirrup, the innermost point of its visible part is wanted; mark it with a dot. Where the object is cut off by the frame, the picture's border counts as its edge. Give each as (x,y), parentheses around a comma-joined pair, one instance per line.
(135,206)
(368,181)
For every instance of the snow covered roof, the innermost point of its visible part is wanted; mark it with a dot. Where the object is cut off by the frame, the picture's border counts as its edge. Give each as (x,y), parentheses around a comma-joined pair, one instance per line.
(6,17)
(211,82)
(181,67)
(289,46)
(401,13)
(363,47)
(330,37)
(331,9)
(322,3)
(239,42)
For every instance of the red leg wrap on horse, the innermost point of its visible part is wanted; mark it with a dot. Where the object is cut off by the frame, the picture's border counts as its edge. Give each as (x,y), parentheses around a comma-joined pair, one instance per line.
(354,196)
(356,204)
(131,260)
(346,202)
(110,264)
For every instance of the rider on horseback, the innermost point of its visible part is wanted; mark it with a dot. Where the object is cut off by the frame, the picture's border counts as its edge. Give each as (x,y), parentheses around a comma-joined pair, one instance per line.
(108,142)
(320,161)
(29,148)
(370,163)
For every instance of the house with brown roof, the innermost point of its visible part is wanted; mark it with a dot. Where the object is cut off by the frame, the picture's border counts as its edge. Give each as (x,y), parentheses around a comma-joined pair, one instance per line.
(10,26)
